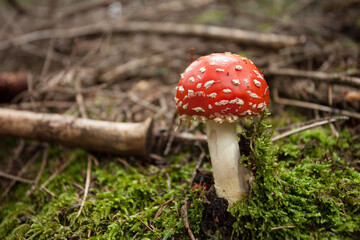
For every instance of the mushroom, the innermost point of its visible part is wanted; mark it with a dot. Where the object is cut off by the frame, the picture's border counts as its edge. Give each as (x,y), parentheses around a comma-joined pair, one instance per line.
(219,89)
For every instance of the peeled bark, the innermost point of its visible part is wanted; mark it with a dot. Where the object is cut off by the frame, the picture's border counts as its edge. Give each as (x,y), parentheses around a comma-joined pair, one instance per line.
(102,136)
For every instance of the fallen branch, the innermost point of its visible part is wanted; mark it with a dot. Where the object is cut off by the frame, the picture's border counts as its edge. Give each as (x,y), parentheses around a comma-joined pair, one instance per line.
(93,135)
(314,106)
(336,78)
(232,34)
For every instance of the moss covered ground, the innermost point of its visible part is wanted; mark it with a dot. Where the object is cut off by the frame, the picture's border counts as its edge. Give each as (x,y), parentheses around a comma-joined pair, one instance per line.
(305,188)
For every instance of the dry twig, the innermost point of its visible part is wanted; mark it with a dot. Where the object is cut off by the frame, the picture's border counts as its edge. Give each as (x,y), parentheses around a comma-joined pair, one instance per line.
(20,173)
(87,184)
(42,168)
(313,106)
(306,127)
(336,78)
(15,178)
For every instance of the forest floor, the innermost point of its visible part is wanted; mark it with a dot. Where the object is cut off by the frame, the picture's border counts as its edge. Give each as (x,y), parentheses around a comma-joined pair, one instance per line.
(121,62)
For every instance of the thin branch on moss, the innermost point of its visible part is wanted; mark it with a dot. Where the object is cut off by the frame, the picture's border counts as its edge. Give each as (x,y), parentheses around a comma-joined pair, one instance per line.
(15,178)
(57,172)
(148,227)
(87,184)
(20,173)
(42,168)
(184,216)
(282,227)
(309,126)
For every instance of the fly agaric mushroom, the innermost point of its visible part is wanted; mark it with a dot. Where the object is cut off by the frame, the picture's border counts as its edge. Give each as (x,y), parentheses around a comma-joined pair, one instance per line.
(219,89)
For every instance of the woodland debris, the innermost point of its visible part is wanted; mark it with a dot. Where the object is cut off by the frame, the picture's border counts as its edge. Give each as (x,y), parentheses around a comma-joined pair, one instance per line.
(232,34)
(313,106)
(337,78)
(93,135)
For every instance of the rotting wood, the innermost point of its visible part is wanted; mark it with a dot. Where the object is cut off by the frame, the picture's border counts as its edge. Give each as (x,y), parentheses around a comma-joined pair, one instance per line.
(102,136)
(232,34)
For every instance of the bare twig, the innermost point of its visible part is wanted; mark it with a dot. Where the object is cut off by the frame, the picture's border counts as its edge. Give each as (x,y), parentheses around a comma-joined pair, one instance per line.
(20,173)
(314,106)
(233,34)
(42,168)
(15,178)
(184,216)
(87,184)
(57,172)
(336,78)
(282,227)
(313,125)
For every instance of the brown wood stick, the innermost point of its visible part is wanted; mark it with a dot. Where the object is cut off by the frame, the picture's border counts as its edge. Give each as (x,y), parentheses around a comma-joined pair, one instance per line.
(336,78)
(15,178)
(233,34)
(314,106)
(102,136)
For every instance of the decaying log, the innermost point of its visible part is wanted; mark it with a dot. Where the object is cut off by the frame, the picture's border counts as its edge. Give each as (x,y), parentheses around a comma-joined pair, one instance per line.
(110,137)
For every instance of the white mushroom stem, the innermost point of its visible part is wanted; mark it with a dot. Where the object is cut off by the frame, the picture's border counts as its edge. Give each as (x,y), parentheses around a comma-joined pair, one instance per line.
(231,177)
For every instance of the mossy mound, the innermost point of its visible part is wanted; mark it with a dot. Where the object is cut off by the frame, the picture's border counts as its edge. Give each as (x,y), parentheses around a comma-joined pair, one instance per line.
(304,188)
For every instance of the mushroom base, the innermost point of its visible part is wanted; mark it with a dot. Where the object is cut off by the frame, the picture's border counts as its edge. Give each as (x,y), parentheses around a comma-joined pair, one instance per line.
(231,178)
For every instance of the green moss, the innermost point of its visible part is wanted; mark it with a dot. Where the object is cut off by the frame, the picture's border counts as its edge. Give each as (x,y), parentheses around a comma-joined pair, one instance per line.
(305,195)
(120,201)
(302,182)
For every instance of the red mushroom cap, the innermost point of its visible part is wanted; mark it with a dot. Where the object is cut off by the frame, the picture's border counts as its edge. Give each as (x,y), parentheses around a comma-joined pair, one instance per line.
(221,87)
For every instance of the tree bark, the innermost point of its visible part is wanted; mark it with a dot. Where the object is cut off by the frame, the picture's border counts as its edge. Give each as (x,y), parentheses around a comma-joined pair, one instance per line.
(102,136)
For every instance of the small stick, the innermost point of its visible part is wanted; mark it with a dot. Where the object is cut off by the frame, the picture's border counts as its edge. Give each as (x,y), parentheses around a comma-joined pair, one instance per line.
(313,106)
(110,137)
(184,216)
(20,173)
(87,184)
(335,78)
(313,125)
(42,168)
(15,178)
(282,227)
(57,172)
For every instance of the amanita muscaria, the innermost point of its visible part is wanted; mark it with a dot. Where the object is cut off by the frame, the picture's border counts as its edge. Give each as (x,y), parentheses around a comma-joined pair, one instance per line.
(219,89)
